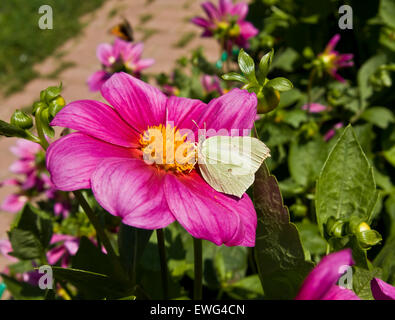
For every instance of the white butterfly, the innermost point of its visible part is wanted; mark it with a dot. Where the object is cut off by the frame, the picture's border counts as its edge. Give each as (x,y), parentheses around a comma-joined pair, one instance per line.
(228,164)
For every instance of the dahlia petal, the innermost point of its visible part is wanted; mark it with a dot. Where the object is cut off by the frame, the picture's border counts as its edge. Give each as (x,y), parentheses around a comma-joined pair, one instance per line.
(382,290)
(121,48)
(132,190)
(332,43)
(25,149)
(211,10)
(183,112)
(321,279)
(5,249)
(201,22)
(55,254)
(97,120)
(339,293)
(105,54)
(314,107)
(97,79)
(22,166)
(13,203)
(234,110)
(247,30)
(143,64)
(138,103)
(225,6)
(72,159)
(208,214)
(240,10)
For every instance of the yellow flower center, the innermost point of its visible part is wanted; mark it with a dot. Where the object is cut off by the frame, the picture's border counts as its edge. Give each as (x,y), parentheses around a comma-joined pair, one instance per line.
(165,147)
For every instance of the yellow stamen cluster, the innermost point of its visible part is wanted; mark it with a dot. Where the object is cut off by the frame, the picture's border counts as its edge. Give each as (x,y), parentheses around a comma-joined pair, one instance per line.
(165,147)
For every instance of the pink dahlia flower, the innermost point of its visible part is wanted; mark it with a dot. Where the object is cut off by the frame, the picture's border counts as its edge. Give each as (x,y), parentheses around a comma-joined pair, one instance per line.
(122,56)
(333,60)
(227,23)
(109,150)
(320,284)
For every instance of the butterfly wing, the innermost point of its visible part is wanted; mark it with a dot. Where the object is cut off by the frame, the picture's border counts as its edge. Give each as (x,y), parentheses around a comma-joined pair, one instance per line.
(228,164)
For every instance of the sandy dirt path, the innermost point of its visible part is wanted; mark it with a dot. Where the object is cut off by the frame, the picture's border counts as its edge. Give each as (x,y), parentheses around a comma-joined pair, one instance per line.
(166,20)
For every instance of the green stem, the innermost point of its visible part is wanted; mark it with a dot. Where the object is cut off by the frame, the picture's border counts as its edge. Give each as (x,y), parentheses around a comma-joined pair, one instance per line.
(163,262)
(100,231)
(40,131)
(198,261)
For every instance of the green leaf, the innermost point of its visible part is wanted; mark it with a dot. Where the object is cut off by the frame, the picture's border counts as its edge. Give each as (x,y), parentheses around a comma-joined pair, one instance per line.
(264,66)
(233,76)
(9,130)
(246,288)
(131,243)
(22,290)
(247,65)
(361,281)
(389,155)
(379,116)
(346,188)
(305,160)
(278,250)
(387,12)
(312,241)
(280,84)
(364,74)
(93,285)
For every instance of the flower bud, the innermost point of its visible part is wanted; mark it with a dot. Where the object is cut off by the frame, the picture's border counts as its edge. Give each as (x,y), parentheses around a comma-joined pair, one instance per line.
(21,120)
(56,105)
(39,104)
(268,100)
(51,93)
(335,228)
(366,236)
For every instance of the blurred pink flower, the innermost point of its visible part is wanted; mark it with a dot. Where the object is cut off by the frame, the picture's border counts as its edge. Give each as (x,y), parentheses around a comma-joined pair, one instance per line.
(329,135)
(333,60)
(106,154)
(227,22)
(5,249)
(314,107)
(320,284)
(211,83)
(66,247)
(121,56)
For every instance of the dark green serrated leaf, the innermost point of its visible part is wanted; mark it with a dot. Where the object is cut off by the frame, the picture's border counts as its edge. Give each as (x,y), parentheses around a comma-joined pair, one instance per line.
(346,186)
(25,244)
(361,281)
(278,250)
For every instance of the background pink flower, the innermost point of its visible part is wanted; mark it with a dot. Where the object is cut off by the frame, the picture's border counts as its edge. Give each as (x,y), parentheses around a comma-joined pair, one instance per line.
(121,56)
(333,60)
(227,21)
